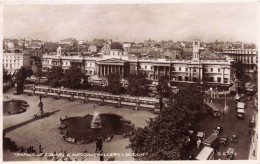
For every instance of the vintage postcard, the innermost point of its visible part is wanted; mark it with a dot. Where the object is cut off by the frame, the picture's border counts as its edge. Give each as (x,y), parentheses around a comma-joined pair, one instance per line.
(124,81)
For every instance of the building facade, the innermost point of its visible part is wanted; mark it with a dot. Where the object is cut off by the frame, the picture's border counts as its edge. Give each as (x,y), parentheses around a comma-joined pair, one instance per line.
(215,71)
(249,58)
(12,62)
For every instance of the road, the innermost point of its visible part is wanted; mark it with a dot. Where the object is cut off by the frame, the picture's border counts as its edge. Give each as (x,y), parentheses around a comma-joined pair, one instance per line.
(231,125)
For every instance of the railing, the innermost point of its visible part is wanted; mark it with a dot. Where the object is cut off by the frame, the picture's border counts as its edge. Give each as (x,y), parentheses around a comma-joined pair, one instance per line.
(101,97)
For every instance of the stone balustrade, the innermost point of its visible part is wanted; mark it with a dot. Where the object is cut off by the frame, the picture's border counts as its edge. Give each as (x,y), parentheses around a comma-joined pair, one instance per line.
(100,97)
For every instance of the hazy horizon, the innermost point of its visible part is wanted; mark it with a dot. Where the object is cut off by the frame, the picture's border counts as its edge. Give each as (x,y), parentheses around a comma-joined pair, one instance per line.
(130,22)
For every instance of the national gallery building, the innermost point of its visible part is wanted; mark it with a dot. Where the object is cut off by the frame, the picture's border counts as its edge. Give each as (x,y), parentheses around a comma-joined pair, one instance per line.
(204,70)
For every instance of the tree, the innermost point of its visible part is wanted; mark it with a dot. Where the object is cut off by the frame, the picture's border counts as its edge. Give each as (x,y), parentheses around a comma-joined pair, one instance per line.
(239,69)
(6,76)
(162,88)
(138,84)
(164,137)
(40,73)
(54,76)
(191,97)
(114,85)
(73,78)
(21,75)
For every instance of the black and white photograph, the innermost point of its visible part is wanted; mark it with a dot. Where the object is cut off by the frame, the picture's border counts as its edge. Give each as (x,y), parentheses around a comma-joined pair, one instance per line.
(129,81)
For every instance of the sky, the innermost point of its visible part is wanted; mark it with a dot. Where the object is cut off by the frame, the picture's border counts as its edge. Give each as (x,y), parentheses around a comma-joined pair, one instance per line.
(130,22)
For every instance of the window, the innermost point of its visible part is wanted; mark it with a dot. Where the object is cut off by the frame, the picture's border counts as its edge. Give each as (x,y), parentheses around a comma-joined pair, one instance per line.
(218,69)
(211,69)
(219,79)
(179,68)
(211,79)
(145,67)
(173,68)
(90,64)
(194,69)
(179,78)
(90,72)
(186,78)
(225,80)
(205,69)
(186,69)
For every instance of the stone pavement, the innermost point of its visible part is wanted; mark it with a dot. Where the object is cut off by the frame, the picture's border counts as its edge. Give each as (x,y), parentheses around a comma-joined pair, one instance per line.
(45,131)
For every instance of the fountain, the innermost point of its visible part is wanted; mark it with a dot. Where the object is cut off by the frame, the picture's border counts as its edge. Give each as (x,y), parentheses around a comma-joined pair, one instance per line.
(14,106)
(96,121)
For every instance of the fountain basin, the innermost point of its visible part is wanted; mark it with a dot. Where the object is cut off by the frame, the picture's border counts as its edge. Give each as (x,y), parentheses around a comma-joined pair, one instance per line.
(79,128)
(14,107)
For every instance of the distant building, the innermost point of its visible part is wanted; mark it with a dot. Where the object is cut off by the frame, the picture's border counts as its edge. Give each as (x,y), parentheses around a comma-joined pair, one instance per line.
(249,57)
(12,62)
(198,69)
(92,48)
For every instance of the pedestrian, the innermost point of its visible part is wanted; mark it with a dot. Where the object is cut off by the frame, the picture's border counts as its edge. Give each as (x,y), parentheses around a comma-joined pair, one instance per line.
(40,98)
(40,147)
(198,143)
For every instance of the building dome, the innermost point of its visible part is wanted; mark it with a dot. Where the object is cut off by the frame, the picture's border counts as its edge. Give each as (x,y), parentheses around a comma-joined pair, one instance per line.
(116,45)
(59,48)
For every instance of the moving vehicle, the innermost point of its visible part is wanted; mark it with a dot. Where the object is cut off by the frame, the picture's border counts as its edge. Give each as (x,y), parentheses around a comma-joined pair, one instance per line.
(213,109)
(231,153)
(240,110)
(234,138)
(224,141)
(201,136)
(218,129)
(211,141)
(206,154)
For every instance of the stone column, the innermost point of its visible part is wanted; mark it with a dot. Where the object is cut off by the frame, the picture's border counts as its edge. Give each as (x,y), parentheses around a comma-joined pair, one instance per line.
(201,74)
(58,94)
(119,102)
(188,74)
(137,105)
(123,71)
(153,72)
(102,100)
(158,72)
(71,97)
(191,76)
(120,71)
(223,71)
(105,70)
(170,69)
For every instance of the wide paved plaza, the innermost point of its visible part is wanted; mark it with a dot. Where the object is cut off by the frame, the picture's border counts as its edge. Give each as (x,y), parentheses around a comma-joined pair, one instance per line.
(25,131)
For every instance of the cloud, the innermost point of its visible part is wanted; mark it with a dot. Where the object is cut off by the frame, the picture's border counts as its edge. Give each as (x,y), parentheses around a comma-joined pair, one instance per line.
(221,21)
